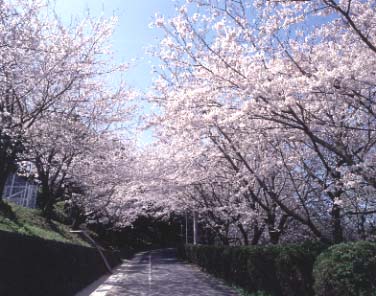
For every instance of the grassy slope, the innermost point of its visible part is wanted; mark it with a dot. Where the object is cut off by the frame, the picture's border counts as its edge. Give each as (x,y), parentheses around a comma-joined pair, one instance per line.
(29,222)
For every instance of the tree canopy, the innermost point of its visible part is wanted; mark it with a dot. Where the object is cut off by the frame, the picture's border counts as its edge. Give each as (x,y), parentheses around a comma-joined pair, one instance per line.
(264,127)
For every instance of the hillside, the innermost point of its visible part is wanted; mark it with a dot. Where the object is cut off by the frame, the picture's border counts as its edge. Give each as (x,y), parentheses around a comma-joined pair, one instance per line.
(29,222)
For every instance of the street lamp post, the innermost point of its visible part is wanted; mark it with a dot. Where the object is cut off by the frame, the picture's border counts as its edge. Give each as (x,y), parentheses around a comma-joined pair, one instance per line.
(186,227)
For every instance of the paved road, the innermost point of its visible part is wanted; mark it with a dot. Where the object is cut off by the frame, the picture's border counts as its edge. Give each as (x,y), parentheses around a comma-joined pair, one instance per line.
(159,273)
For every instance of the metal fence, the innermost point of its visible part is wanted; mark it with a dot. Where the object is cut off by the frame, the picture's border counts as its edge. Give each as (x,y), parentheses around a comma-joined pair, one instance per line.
(20,191)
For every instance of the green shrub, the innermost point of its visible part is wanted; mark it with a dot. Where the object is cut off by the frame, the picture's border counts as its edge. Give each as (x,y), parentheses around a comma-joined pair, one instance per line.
(346,270)
(276,270)
(244,293)
(259,293)
(59,213)
(294,264)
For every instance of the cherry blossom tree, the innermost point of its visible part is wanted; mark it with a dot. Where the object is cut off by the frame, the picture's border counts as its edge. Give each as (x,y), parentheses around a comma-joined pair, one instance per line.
(283,93)
(50,71)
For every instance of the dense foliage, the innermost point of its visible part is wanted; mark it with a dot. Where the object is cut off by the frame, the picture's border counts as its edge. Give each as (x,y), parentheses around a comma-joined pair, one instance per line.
(347,270)
(277,270)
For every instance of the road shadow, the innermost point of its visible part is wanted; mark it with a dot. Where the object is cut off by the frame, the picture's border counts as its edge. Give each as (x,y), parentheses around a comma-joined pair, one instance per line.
(166,276)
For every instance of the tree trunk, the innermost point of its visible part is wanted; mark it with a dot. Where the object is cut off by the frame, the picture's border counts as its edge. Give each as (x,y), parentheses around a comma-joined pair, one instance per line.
(5,170)
(9,149)
(274,234)
(3,179)
(224,240)
(244,234)
(44,201)
(337,231)
(336,224)
(257,233)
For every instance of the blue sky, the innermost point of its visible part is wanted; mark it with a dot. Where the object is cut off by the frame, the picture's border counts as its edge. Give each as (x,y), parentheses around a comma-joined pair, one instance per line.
(131,37)
(132,34)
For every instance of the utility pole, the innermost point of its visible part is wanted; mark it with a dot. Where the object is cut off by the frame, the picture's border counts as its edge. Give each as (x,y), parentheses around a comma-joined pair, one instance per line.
(194,228)
(186,227)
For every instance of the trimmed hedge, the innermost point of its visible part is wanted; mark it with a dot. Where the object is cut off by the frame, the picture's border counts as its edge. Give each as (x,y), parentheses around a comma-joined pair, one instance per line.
(277,270)
(346,270)
(32,266)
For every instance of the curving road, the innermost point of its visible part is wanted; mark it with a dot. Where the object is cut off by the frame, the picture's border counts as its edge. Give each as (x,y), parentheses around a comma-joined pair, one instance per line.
(158,273)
